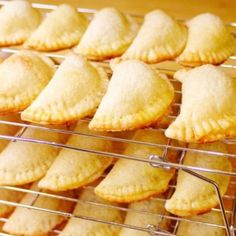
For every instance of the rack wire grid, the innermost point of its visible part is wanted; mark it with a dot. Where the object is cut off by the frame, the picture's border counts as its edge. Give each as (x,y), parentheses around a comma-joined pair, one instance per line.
(227,203)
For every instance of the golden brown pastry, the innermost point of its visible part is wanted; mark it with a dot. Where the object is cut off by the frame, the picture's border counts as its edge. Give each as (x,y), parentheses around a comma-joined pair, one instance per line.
(137,96)
(62,28)
(24,162)
(160,38)
(209,41)
(8,129)
(8,195)
(74,92)
(108,35)
(72,168)
(80,227)
(144,213)
(22,77)
(193,195)
(30,222)
(136,180)
(208,110)
(195,229)
(17,20)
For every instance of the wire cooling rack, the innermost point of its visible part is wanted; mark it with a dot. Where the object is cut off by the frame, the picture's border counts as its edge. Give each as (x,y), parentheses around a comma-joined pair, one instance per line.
(227,203)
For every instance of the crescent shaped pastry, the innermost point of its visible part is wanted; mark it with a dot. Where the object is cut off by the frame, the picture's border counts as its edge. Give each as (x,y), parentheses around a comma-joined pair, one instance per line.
(195,229)
(80,227)
(7,195)
(22,77)
(6,129)
(150,212)
(62,28)
(74,92)
(208,110)
(73,169)
(160,38)
(137,96)
(24,162)
(17,21)
(108,35)
(141,180)
(193,195)
(209,41)
(29,222)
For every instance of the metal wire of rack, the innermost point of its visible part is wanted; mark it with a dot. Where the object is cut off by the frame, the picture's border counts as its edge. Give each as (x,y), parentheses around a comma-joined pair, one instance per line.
(227,210)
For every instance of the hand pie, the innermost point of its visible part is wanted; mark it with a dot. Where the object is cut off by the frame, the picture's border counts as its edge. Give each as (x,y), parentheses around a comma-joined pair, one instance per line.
(137,96)
(208,109)
(8,129)
(11,196)
(193,195)
(62,28)
(80,227)
(137,217)
(29,222)
(160,38)
(209,41)
(193,228)
(17,20)
(108,35)
(74,92)
(24,162)
(72,168)
(22,77)
(136,180)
